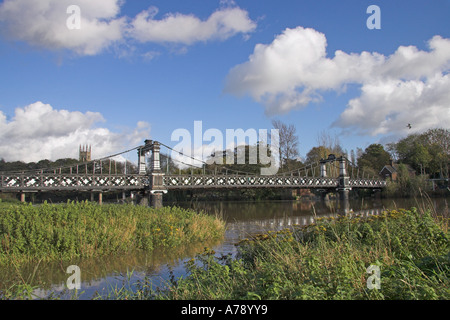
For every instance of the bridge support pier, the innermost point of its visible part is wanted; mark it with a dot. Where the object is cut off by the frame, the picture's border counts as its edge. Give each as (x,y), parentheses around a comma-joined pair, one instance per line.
(142,198)
(100,196)
(344,194)
(22,197)
(156,199)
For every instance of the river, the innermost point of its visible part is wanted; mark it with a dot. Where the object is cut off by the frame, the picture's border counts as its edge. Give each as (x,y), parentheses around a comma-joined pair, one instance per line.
(242,218)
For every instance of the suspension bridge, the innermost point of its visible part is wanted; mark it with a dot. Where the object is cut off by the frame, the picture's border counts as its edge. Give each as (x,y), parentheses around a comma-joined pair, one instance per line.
(151,182)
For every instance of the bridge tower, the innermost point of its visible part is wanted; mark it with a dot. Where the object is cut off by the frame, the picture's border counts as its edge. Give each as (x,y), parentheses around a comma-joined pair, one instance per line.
(323,168)
(141,160)
(156,183)
(344,180)
(323,174)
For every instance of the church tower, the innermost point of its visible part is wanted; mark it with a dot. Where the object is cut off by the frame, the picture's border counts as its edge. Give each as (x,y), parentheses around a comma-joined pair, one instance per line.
(85,153)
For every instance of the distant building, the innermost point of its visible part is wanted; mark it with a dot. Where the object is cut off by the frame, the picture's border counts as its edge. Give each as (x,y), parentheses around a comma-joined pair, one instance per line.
(85,153)
(391,170)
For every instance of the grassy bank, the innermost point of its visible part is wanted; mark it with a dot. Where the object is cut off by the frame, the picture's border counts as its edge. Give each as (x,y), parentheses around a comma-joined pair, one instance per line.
(82,230)
(329,260)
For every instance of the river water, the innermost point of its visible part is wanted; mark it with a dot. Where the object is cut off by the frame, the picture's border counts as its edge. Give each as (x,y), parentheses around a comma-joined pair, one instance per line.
(242,218)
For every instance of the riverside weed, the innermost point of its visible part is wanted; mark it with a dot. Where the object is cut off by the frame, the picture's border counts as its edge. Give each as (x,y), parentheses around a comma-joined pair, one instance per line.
(328,260)
(81,230)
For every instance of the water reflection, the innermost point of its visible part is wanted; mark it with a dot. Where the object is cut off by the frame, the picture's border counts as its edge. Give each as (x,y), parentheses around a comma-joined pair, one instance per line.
(247,218)
(99,274)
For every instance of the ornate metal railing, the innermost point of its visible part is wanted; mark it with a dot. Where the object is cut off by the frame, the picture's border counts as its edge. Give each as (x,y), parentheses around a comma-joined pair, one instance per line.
(242,181)
(47,182)
(367,183)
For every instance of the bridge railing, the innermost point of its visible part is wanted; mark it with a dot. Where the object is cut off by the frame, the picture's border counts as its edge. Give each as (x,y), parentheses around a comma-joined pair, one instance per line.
(17,182)
(365,183)
(237,181)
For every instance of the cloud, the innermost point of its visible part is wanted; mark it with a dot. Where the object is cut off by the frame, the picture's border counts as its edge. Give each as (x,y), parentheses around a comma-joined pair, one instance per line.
(410,86)
(291,71)
(188,29)
(386,107)
(43,24)
(38,131)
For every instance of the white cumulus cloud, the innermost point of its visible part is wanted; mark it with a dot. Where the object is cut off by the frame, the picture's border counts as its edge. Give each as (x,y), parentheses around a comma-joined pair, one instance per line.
(38,131)
(409,86)
(43,24)
(188,29)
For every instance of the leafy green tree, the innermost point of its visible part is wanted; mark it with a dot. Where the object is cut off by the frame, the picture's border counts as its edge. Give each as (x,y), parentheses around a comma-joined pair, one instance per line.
(419,157)
(427,153)
(316,154)
(438,142)
(237,165)
(373,159)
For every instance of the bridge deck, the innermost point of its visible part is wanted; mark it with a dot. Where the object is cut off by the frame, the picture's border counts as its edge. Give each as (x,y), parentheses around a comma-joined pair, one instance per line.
(83,182)
(243,181)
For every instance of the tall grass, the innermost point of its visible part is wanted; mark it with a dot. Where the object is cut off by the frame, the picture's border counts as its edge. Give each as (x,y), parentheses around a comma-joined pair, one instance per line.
(82,230)
(329,260)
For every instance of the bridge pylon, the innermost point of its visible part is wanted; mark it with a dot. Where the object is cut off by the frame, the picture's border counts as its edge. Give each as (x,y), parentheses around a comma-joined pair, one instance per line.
(156,183)
(344,180)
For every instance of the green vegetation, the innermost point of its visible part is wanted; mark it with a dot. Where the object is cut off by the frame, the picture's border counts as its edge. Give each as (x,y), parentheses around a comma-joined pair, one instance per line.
(373,159)
(328,260)
(325,260)
(66,164)
(407,185)
(427,153)
(81,230)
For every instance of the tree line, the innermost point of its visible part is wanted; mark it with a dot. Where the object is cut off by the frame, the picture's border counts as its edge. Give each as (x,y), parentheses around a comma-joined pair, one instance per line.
(68,165)
(428,154)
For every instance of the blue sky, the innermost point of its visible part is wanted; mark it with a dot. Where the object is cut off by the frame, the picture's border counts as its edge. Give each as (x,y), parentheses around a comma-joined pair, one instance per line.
(120,80)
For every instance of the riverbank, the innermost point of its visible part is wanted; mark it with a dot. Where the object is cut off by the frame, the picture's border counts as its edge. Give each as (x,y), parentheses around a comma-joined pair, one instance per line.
(399,254)
(149,280)
(83,230)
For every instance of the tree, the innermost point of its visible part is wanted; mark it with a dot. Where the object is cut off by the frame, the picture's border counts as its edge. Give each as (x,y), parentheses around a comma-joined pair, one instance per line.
(287,144)
(420,157)
(316,154)
(439,137)
(333,144)
(438,142)
(373,159)
(392,149)
(427,153)
(405,147)
(166,163)
(353,157)
(242,160)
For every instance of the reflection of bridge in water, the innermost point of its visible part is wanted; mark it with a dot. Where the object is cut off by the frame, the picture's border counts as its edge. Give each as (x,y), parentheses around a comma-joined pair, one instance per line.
(247,218)
(287,221)
(151,183)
